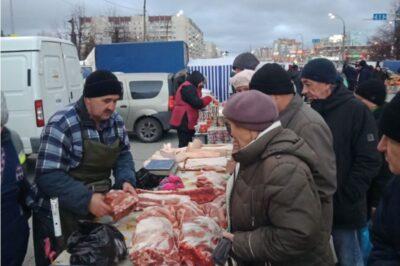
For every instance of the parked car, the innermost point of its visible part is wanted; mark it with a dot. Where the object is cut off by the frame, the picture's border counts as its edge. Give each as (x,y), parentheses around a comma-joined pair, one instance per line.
(39,76)
(147,103)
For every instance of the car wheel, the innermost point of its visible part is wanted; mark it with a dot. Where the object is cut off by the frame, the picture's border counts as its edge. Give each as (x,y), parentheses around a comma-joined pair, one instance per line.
(148,129)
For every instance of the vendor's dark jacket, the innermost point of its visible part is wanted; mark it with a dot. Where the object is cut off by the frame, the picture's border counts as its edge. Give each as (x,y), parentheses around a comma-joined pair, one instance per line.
(355,138)
(386,228)
(311,127)
(275,209)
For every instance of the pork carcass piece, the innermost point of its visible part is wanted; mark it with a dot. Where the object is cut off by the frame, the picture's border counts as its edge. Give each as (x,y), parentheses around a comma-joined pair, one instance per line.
(216,210)
(197,240)
(167,212)
(187,211)
(154,243)
(207,164)
(121,202)
(148,198)
(211,179)
(199,195)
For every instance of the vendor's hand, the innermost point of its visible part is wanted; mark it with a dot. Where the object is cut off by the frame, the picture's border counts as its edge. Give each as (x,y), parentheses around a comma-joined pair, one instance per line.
(227,235)
(98,207)
(127,187)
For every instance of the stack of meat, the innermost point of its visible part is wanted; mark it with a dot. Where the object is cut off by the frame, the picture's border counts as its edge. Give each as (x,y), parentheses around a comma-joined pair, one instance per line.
(180,227)
(174,235)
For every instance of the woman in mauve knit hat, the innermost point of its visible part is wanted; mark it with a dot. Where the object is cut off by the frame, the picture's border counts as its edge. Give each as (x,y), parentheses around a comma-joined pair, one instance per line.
(274,210)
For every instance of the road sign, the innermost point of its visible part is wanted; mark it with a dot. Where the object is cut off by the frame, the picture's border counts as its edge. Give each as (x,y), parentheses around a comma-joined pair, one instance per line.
(316,41)
(379,16)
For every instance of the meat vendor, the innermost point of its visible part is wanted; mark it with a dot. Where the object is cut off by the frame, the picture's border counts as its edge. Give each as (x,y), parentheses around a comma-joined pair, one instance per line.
(188,101)
(79,148)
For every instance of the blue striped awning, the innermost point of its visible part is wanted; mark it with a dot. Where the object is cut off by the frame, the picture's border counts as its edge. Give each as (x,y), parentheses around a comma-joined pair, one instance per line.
(217,79)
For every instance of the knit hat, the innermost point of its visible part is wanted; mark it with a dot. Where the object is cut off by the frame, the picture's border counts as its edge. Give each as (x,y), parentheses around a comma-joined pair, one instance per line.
(251,109)
(373,90)
(362,63)
(4,110)
(101,83)
(390,119)
(195,78)
(245,61)
(242,78)
(272,79)
(320,70)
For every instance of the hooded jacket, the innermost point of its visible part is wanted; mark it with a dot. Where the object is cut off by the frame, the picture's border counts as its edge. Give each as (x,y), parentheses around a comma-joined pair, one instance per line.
(355,138)
(275,209)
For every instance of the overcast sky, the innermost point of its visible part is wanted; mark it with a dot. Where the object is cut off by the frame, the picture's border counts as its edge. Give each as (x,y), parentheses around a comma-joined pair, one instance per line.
(235,25)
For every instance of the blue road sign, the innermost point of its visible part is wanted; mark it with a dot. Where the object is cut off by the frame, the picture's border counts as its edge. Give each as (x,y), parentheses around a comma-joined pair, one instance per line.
(316,40)
(379,16)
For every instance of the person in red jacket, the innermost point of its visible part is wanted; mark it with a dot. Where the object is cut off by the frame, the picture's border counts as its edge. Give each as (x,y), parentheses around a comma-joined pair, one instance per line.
(188,101)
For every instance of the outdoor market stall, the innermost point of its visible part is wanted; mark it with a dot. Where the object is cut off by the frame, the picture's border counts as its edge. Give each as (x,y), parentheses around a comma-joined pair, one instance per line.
(164,225)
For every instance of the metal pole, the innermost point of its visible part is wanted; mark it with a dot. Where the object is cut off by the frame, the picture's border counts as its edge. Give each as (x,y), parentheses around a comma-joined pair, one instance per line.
(144,21)
(344,36)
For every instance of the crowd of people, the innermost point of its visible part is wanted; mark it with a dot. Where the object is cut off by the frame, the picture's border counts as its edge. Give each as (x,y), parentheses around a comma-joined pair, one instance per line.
(314,183)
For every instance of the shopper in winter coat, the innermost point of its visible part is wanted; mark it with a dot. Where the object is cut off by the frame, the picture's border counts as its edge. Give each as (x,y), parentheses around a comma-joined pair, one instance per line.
(364,72)
(351,76)
(294,74)
(357,159)
(245,61)
(294,114)
(274,207)
(15,195)
(373,94)
(241,80)
(386,229)
(188,101)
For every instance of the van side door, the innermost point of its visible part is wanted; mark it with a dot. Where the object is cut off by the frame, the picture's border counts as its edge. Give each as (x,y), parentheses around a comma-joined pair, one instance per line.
(73,76)
(54,89)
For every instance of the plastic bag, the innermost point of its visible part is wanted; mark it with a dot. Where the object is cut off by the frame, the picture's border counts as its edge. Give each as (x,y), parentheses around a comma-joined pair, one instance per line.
(147,180)
(96,244)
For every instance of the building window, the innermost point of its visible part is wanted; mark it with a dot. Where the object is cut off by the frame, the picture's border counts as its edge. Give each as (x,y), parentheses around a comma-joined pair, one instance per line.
(145,89)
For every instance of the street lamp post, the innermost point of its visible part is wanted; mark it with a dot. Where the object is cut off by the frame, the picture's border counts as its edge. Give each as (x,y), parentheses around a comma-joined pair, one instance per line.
(332,16)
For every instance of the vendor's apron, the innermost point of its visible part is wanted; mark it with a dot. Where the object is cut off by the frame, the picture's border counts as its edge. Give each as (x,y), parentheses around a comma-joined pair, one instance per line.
(94,171)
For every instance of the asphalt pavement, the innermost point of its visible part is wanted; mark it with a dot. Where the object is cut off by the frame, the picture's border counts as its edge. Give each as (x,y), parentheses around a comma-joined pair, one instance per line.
(140,151)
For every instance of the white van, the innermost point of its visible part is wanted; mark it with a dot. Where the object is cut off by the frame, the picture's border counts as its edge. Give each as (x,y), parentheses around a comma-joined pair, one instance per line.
(39,76)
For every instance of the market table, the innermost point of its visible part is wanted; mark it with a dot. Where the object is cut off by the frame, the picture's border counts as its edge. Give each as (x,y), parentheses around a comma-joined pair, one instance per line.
(127,224)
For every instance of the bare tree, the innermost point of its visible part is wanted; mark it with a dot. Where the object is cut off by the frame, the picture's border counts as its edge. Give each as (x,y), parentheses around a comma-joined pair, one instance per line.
(77,27)
(385,43)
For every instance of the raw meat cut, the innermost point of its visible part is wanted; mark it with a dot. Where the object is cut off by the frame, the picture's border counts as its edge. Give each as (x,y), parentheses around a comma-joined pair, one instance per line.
(148,198)
(197,240)
(217,210)
(167,212)
(154,243)
(121,202)
(208,164)
(211,179)
(199,195)
(187,212)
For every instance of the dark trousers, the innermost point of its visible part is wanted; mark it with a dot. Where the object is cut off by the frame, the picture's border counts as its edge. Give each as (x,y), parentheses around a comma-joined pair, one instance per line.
(185,136)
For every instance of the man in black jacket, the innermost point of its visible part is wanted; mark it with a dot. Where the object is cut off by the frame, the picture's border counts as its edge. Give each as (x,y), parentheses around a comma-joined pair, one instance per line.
(357,158)
(386,228)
